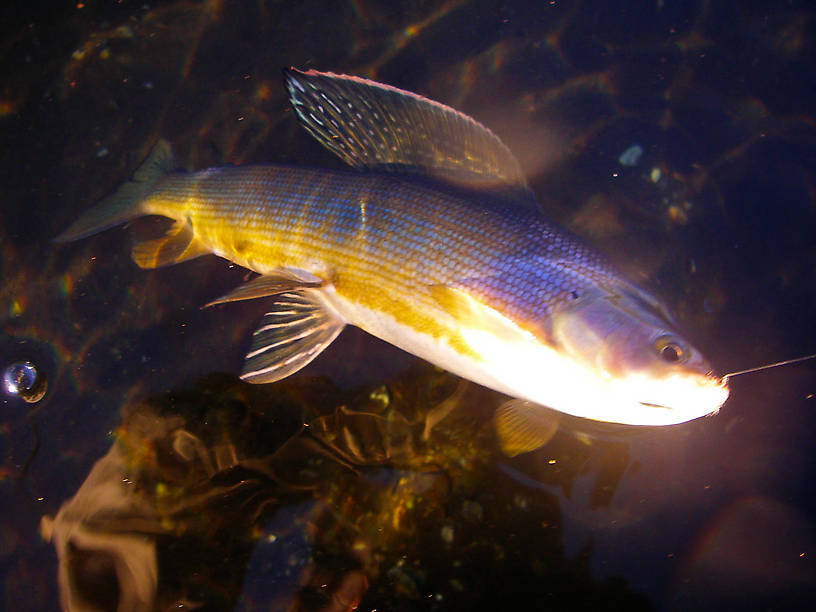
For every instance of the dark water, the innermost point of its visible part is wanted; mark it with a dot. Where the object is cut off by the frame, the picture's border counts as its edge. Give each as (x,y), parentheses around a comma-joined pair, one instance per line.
(193,490)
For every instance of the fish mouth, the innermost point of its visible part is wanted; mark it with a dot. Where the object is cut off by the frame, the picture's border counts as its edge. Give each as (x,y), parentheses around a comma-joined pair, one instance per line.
(675,414)
(650,405)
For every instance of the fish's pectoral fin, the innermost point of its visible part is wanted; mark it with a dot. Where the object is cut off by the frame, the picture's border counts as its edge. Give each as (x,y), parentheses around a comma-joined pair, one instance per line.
(372,126)
(292,333)
(266,286)
(523,426)
(178,244)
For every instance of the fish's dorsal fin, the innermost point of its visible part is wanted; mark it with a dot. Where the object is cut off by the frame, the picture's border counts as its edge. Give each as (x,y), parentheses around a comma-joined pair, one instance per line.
(372,126)
(178,244)
(294,331)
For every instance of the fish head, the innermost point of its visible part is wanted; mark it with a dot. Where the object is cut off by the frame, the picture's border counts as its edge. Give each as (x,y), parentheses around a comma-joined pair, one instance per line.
(649,373)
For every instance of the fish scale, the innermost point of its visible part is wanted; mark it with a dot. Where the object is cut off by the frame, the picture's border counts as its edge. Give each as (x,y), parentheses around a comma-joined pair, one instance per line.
(298,217)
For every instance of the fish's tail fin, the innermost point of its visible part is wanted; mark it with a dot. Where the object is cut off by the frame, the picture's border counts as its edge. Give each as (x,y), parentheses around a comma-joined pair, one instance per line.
(126,202)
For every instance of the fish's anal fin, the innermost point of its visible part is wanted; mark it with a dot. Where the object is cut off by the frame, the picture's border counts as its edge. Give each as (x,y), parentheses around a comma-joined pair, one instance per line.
(373,126)
(523,426)
(178,244)
(292,333)
(125,203)
(265,286)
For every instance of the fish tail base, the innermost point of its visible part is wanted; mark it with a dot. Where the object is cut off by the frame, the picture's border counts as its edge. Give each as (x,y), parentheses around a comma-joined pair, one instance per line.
(125,203)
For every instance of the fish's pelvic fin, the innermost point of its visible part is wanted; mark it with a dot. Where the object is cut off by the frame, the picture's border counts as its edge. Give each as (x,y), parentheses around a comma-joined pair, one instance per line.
(265,286)
(523,426)
(125,203)
(178,244)
(372,126)
(294,331)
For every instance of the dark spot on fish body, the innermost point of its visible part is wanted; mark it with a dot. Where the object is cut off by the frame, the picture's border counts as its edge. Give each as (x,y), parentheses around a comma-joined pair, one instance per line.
(241,247)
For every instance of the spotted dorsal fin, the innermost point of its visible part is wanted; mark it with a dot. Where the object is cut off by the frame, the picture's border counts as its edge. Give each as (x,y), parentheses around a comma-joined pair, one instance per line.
(372,126)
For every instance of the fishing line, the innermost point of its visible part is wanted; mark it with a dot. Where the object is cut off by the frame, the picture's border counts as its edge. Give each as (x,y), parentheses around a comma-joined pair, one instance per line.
(770,365)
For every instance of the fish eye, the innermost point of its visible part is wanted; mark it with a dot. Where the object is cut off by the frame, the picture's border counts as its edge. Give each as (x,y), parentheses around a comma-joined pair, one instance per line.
(670,350)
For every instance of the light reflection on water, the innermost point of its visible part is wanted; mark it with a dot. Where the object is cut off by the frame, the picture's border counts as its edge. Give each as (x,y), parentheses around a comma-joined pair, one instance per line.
(718,213)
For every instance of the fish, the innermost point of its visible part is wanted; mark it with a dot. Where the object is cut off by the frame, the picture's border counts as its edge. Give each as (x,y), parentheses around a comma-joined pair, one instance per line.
(433,241)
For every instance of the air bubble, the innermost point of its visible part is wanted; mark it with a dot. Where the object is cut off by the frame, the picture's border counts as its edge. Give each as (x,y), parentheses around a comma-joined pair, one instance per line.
(23,380)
